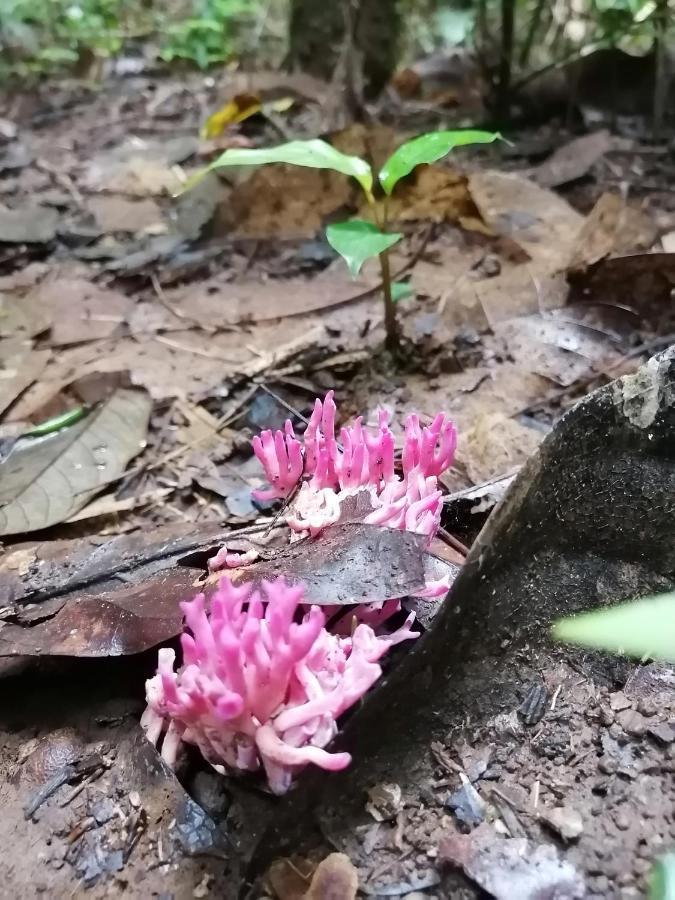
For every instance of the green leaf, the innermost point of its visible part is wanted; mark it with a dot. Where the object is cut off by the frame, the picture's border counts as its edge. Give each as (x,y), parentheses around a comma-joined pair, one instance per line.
(314,154)
(662,881)
(400,290)
(356,241)
(427,149)
(643,628)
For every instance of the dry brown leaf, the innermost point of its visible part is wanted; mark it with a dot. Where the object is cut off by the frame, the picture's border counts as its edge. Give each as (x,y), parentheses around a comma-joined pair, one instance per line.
(45,480)
(285,201)
(436,194)
(20,317)
(19,368)
(612,228)
(494,446)
(24,278)
(131,216)
(109,505)
(335,878)
(30,224)
(79,310)
(221,303)
(572,160)
(540,222)
(516,291)
(138,167)
(287,878)
(173,365)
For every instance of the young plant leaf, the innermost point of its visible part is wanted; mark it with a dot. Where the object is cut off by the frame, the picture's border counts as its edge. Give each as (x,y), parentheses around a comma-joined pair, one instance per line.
(315,154)
(643,628)
(401,290)
(356,241)
(427,149)
(662,881)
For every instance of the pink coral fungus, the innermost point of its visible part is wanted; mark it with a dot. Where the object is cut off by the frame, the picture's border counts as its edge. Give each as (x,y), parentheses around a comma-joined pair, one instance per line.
(361,461)
(262,683)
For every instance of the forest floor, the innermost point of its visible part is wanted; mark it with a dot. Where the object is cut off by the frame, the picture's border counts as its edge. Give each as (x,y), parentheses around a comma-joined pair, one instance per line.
(539,270)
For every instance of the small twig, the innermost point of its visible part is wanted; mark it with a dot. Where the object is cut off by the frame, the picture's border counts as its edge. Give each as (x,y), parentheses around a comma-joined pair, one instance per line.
(282,402)
(453,542)
(80,787)
(169,307)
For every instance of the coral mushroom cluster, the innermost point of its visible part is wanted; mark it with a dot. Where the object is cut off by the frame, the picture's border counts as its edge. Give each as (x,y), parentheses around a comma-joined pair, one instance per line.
(264,679)
(361,461)
(263,682)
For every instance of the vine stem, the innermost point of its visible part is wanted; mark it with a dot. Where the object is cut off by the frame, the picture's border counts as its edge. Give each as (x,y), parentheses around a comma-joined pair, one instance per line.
(392,337)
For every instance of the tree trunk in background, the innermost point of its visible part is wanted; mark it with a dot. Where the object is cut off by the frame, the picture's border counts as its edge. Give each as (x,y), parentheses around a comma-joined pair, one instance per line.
(661,67)
(508,27)
(320,42)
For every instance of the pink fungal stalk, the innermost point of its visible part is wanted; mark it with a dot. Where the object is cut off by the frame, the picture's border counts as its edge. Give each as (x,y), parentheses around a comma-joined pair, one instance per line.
(362,461)
(262,682)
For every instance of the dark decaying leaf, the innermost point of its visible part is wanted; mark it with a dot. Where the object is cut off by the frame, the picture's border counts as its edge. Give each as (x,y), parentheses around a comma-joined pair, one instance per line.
(112,623)
(33,573)
(351,563)
(642,281)
(83,598)
(45,480)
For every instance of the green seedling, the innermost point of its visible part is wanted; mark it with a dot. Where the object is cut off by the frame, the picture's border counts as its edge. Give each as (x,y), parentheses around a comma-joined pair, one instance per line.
(357,240)
(643,629)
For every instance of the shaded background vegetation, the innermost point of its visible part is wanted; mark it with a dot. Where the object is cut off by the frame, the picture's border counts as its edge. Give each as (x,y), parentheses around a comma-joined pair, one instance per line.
(514,42)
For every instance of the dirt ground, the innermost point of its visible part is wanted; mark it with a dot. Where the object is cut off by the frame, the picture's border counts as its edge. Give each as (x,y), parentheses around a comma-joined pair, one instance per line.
(536,278)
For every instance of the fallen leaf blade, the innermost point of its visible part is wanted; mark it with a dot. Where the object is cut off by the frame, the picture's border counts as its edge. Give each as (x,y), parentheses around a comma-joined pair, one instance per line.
(46,480)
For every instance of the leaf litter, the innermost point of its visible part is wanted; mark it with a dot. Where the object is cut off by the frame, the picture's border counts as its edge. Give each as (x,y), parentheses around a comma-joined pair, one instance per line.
(492,275)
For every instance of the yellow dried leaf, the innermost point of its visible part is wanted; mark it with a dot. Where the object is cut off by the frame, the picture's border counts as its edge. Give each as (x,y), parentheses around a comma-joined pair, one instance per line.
(240,107)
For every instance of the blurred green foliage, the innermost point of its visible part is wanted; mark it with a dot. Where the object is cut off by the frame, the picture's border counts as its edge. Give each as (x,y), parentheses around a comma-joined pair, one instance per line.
(44,36)
(206,37)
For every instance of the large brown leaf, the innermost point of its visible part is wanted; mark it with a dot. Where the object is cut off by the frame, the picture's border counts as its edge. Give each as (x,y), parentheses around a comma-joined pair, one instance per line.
(348,563)
(45,480)
(113,623)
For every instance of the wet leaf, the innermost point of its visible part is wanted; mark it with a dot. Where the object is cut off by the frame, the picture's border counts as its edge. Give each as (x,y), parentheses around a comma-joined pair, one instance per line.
(427,149)
(112,623)
(35,573)
(643,628)
(45,480)
(356,241)
(315,154)
(348,563)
